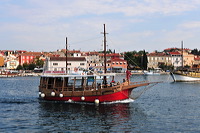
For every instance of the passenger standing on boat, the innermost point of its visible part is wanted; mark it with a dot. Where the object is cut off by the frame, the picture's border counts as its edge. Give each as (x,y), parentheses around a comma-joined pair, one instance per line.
(112,83)
(128,75)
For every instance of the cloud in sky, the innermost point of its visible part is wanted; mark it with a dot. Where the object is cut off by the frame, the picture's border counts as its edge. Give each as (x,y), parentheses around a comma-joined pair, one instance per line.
(42,25)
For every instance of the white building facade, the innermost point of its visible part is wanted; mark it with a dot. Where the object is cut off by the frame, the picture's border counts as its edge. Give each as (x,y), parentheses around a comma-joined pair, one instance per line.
(58,64)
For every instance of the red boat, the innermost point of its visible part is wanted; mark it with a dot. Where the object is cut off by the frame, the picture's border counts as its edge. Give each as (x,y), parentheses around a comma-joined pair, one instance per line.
(86,88)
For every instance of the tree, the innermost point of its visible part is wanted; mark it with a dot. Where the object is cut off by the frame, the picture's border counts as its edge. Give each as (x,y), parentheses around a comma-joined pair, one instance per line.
(19,67)
(144,61)
(39,63)
(31,66)
(135,58)
(195,52)
(25,66)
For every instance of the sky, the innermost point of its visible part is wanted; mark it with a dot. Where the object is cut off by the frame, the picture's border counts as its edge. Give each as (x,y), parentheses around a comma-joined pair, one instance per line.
(43,25)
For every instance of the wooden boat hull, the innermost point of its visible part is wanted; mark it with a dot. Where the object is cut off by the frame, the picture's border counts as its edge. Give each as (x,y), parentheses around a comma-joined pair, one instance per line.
(121,95)
(184,78)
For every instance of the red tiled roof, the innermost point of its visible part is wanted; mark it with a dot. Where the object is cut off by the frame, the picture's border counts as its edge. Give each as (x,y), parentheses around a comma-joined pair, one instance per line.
(31,54)
(174,53)
(157,54)
(197,58)
(116,59)
(90,53)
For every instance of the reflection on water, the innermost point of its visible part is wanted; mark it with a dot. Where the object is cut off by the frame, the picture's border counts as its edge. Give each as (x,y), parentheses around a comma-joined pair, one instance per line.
(89,117)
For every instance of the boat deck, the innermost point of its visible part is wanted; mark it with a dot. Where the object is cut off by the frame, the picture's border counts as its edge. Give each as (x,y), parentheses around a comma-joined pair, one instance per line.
(190,74)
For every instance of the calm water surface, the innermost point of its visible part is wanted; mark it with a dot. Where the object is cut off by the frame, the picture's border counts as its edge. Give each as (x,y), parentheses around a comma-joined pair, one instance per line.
(165,107)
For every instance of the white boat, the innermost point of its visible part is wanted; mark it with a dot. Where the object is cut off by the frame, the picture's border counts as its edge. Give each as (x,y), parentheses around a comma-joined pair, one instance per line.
(185,77)
(156,71)
(151,73)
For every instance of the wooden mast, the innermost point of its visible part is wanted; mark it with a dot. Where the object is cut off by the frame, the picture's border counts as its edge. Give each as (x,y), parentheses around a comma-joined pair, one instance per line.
(104,33)
(66,57)
(182,56)
(105,70)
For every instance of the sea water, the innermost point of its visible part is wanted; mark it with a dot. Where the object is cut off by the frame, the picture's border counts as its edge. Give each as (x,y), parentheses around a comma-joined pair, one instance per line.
(163,108)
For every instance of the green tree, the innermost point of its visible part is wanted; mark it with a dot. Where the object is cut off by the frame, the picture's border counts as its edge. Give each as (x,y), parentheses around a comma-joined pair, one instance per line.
(25,66)
(31,66)
(195,52)
(19,67)
(134,59)
(39,63)
(144,61)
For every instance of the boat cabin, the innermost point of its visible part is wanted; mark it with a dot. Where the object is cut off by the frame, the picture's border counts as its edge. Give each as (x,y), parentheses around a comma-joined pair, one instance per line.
(74,82)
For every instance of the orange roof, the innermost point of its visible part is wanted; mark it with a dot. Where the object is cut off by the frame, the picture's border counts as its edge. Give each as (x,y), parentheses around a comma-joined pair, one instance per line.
(174,53)
(31,54)
(157,54)
(115,59)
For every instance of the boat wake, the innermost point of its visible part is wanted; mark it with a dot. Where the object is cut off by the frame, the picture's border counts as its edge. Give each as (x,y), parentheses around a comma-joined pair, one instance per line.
(114,102)
(16,101)
(120,101)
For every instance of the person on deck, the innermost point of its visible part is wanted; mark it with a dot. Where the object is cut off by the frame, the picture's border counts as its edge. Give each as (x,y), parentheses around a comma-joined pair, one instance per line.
(128,74)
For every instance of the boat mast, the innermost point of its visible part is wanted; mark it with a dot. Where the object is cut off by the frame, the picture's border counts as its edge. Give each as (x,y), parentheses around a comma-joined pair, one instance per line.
(104,33)
(182,55)
(105,70)
(66,56)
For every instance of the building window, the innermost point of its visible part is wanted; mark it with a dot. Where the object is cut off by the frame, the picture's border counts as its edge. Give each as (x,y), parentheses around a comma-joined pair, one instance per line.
(55,64)
(69,64)
(82,64)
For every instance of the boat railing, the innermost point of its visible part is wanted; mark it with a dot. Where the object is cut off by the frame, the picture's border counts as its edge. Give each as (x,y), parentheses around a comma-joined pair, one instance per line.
(135,83)
(62,70)
(188,73)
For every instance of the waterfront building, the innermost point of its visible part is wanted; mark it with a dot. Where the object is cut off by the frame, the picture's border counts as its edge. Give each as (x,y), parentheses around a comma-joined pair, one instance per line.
(93,61)
(156,59)
(117,65)
(176,59)
(29,57)
(188,59)
(58,64)
(12,64)
(1,61)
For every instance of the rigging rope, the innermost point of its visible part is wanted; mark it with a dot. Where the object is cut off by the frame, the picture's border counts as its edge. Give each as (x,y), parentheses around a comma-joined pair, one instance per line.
(145,89)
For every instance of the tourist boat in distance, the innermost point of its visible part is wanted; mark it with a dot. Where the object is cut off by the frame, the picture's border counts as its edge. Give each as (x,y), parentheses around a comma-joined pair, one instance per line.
(7,74)
(156,71)
(65,87)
